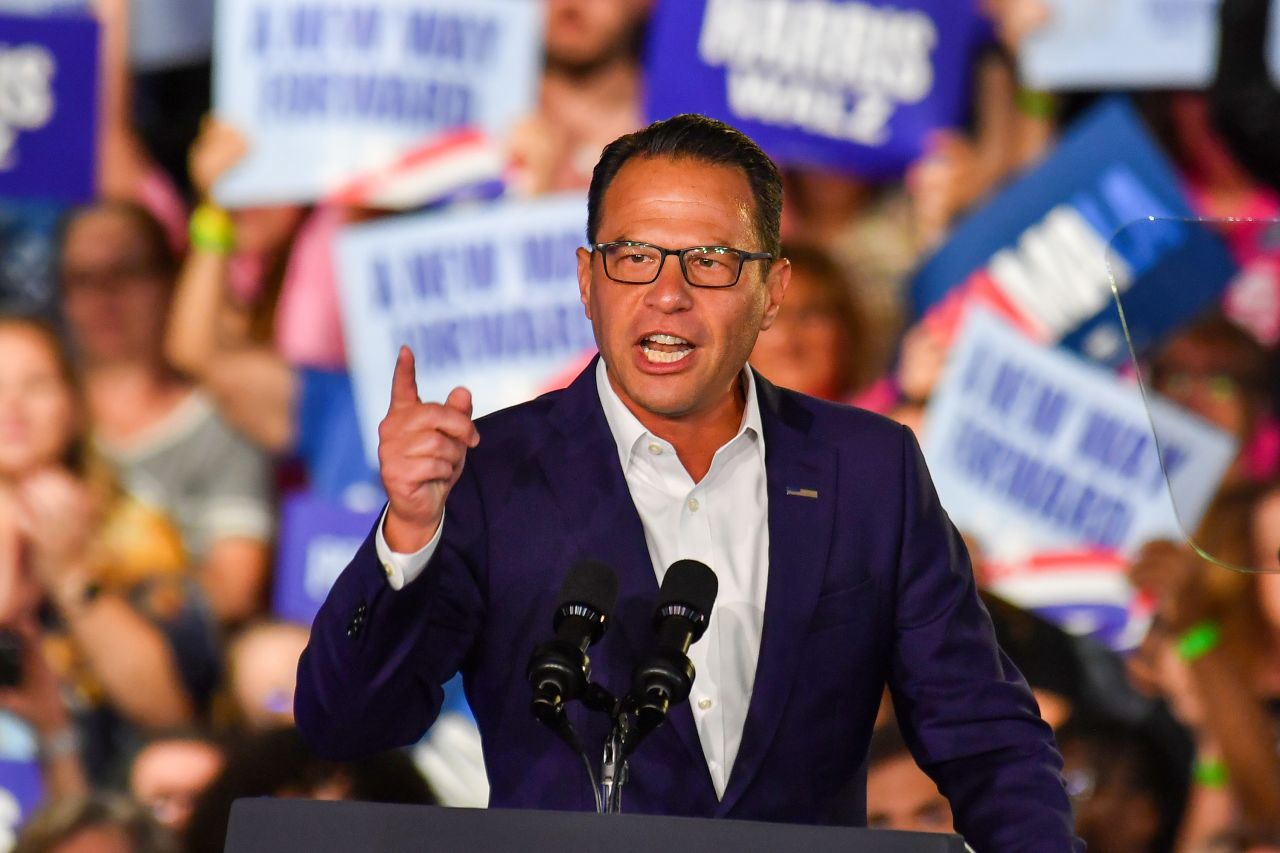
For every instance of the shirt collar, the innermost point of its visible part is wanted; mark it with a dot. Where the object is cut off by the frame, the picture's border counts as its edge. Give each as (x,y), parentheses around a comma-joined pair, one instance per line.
(628,432)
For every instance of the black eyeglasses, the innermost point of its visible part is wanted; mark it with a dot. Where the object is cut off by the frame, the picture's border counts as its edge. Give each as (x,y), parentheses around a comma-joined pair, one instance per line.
(629,262)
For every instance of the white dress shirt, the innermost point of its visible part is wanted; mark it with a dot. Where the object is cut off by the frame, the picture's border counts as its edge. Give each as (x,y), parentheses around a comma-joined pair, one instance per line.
(723,521)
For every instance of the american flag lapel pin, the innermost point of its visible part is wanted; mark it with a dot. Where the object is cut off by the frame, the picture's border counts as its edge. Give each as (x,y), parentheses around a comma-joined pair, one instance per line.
(801,493)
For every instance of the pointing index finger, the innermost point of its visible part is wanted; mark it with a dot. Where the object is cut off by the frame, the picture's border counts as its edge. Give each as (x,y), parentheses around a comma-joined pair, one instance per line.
(404,381)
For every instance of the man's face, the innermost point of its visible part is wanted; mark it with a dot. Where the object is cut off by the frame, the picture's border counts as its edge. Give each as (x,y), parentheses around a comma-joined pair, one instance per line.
(677,204)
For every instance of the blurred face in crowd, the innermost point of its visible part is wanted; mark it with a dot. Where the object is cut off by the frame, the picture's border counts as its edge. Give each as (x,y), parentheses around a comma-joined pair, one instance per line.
(168,776)
(808,345)
(1199,377)
(901,796)
(38,410)
(1112,816)
(672,349)
(584,34)
(264,665)
(115,293)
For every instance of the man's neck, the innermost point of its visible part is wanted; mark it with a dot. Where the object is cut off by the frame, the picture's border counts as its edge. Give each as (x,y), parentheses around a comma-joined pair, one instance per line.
(611,86)
(696,436)
(128,396)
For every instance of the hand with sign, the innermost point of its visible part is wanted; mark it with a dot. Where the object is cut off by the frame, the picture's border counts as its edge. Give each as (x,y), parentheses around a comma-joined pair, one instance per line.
(421,450)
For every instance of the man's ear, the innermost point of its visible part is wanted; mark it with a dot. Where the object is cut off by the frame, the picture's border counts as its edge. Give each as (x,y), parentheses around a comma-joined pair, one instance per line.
(584,279)
(775,284)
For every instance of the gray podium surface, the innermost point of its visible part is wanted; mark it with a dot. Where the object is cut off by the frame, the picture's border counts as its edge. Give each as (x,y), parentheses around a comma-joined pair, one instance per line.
(264,824)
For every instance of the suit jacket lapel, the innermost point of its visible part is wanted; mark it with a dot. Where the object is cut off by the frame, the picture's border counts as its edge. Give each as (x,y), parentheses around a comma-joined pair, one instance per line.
(800,526)
(582,469)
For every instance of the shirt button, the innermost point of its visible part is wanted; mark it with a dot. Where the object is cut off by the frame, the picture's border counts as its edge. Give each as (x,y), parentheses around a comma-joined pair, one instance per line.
(704,704)
(655,449)
(386,567)
(693,504)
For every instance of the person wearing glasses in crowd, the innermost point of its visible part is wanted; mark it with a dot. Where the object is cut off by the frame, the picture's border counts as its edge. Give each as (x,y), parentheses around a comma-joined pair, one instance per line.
(838,570)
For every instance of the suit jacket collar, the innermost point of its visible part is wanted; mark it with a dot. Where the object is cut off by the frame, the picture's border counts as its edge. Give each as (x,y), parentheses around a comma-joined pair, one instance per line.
(583,470)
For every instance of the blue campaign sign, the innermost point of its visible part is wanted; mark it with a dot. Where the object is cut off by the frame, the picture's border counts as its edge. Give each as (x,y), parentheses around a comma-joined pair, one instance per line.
(327,92)
(1042,251)
(48,106)
(486,297)
(854,85)
(318,537)
(21,793)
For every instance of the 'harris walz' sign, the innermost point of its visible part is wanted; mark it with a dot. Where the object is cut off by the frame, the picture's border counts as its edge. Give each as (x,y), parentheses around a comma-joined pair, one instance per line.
(48,106)
(846,84)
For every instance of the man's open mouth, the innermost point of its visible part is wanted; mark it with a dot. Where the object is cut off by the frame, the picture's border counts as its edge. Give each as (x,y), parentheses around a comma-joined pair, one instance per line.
(664,349)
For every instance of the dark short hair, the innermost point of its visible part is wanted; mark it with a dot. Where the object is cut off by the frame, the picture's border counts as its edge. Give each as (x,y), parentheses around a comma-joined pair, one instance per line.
(708,141)
(161,254)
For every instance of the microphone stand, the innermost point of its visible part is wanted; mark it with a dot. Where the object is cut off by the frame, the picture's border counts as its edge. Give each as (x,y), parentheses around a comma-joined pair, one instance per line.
(614,770)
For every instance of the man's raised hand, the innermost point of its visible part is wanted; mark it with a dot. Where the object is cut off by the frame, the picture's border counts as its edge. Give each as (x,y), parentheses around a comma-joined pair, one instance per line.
(421,450)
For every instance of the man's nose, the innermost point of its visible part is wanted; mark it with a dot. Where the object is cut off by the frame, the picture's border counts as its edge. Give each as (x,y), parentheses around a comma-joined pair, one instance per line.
(669,292)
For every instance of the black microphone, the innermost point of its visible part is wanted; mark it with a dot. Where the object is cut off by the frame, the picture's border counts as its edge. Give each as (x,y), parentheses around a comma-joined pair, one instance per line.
(559,669)
(665,677)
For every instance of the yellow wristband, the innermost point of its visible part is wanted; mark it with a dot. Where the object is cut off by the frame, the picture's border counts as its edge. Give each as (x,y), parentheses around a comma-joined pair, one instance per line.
(212,230)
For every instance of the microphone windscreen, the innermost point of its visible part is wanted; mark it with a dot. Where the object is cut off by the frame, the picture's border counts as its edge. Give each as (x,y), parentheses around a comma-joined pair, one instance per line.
(592,583)
(690,583)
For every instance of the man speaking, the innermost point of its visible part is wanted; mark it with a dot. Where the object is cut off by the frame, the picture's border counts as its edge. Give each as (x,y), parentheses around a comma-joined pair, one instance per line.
(838,570)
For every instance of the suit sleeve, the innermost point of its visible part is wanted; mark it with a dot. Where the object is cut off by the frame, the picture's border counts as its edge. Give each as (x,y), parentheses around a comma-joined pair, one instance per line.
(371,675)
(966,712)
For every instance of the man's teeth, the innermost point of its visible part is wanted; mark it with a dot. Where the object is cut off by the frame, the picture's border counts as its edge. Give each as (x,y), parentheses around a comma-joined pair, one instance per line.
(665,349)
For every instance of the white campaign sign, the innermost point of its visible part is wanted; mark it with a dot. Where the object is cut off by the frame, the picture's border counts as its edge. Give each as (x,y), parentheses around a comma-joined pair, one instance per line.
(1122,44)
(485,297)
(1034,450)
(326,92)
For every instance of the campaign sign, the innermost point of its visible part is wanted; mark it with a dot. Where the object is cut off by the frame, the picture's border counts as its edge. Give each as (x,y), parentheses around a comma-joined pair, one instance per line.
(854,85)
(1044,251)
(485,297)
(21,793)
(318,538)
(1136,44)
(325,92)
(1033,450)
(48,106)
(1085,592)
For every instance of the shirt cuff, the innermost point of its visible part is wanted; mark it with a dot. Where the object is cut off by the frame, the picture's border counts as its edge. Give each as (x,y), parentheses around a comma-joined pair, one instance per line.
(403,568)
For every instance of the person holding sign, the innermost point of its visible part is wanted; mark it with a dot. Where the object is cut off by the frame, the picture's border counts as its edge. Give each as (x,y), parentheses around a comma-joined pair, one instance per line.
(838,570)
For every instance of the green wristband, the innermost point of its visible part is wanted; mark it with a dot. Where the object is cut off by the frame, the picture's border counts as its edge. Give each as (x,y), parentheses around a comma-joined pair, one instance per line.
(1041,105)
(1198,640)
(1210,773)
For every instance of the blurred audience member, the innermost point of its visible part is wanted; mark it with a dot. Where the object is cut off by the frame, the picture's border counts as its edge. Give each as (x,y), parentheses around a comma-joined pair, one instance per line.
(899,794)
(1128,796)
(591,92)
(126,630)
(868,231)
(818,343)
(1217,370)
(277,763)
(170,447)
(170,772)
(222,339)
(262,666)
(94,823)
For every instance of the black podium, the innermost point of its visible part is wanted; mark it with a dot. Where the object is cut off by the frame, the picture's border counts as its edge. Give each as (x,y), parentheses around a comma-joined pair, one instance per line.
(270,826)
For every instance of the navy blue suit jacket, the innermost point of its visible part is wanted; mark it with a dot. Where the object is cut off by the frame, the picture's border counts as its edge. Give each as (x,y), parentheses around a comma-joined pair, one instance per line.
(869,585)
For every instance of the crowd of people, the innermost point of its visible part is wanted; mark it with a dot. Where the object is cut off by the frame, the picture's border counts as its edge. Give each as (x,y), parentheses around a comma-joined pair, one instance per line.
(187,371)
